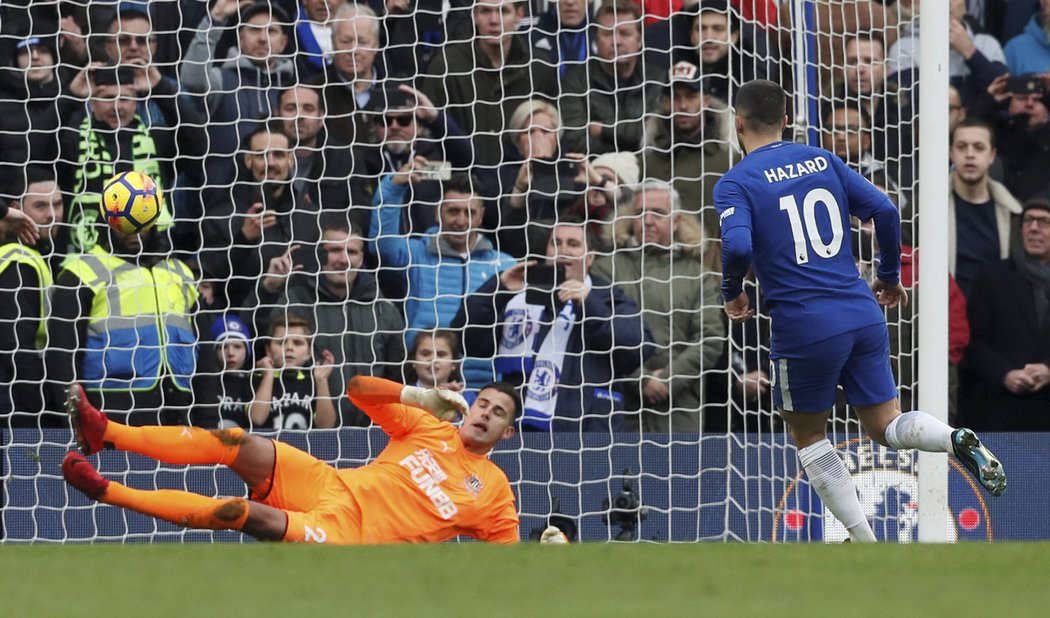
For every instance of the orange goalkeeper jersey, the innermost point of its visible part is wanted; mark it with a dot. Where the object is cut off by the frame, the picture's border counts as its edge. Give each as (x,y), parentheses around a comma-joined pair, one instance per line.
(425,486)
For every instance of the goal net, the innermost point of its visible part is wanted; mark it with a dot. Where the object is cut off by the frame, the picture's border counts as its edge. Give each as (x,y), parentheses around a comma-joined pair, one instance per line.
(344,184)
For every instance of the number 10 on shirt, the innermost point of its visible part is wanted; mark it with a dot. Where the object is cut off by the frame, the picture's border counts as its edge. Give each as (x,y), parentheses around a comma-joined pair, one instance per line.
(804,229)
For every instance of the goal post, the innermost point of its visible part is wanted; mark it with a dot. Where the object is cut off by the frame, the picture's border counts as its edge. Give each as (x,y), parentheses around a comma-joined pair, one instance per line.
(933,325)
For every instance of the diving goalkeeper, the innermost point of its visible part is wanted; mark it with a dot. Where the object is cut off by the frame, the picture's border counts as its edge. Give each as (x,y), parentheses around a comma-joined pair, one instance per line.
(431,483)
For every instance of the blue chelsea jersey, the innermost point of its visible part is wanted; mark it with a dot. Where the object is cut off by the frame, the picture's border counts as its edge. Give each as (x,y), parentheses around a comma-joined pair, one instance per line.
(785,208)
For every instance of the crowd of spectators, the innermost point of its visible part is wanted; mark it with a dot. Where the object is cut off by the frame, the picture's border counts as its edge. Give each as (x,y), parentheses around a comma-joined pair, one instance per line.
(449,192)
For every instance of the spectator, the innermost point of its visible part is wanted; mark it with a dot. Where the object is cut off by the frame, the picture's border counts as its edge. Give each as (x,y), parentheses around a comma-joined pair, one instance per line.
(1010,322)
(241,92)
(981,211)
(414,31)
(864,82)
(1029,52)
(481,81)
(355,73)
(25,278)
(222,388)
(110,139)
(406,124)
(690,147)
(1017,109)
(121,325)
(291,391)
(833,25)
(847,132)
(975,58)
(363,331)
(611,179)
(607,101)
(130,41)
(31,109)
(432,361)
(564,32)
(261,219)
(313,33)
(323,164)
(718,50)
(737,395)
(559,332)
(658,250)
(536,180)
(438,269)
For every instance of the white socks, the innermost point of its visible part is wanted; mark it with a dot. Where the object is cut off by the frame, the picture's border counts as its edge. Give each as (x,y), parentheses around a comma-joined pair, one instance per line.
(830,479)
(921,431)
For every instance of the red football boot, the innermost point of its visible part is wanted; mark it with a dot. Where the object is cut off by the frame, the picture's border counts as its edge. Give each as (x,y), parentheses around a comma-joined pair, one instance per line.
(89,424)
(79,473)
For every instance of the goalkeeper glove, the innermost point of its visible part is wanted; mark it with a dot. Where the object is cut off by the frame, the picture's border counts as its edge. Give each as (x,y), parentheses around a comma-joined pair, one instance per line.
(553,536)
(440,402)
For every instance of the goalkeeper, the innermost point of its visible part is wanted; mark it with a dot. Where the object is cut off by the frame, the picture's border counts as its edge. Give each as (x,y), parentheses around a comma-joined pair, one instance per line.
(431,483)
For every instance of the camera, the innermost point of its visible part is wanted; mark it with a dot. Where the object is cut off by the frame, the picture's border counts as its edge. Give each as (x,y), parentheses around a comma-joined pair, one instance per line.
(625,511)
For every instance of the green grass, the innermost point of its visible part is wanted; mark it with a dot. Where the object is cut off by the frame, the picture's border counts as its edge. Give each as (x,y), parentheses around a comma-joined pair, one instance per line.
(1000,579)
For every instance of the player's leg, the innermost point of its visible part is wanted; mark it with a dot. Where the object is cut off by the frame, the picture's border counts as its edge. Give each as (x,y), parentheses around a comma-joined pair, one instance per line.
(810,383)
(871,389)
(176,445)
(181,508)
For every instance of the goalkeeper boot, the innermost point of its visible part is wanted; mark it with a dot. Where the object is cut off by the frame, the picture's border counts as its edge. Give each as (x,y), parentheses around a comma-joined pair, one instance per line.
(89,424)
(981,463)
(79,473)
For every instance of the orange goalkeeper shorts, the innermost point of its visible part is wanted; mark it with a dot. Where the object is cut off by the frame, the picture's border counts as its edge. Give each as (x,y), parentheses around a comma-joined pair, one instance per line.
(320,508)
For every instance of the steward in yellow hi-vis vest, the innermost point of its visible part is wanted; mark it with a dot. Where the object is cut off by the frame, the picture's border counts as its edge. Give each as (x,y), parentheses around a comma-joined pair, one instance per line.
(25,283)
(122,325)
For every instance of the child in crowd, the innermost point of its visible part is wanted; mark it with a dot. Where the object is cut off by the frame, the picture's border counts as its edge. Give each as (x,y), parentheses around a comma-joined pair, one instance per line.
(290,391)
(433,362)
(223,387)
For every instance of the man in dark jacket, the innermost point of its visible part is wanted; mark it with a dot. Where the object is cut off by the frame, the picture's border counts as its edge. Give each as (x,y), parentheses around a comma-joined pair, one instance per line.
(260,219)
(351,318)
(480,82)
(608,99)
(563,334)
(1010,334)
(242,92)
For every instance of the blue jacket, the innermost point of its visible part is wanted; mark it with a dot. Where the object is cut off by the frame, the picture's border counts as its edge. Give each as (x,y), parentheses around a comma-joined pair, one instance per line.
(610,341)
(435,277)
(1028,52)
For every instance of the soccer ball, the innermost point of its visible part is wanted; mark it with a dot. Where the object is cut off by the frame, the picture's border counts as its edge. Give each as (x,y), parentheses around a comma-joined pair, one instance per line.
(131,202)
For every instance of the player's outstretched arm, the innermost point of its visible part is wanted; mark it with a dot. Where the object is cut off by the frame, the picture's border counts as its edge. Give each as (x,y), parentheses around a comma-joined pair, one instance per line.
(377,397)
(889,294)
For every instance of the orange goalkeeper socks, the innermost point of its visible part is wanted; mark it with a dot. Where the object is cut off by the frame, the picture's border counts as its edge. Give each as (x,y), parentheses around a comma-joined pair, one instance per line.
(178,445)
(181,508)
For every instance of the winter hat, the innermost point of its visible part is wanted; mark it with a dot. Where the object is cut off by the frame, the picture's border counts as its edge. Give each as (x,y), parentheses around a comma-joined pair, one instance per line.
(230,327)
(623,164)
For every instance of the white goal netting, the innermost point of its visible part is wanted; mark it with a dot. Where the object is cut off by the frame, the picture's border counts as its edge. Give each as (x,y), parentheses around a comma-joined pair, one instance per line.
(344,183)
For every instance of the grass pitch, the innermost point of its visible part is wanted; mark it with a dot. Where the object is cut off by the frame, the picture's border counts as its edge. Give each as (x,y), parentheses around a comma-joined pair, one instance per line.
(110,581)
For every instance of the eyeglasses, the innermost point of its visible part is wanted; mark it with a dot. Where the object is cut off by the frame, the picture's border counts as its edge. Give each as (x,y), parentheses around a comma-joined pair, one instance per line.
(954,108)
(1040,222)
(401,121)
(125,40)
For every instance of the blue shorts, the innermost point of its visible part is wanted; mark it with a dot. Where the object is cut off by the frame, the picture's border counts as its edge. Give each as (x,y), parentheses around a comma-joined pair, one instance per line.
(805,380)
